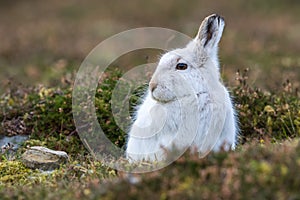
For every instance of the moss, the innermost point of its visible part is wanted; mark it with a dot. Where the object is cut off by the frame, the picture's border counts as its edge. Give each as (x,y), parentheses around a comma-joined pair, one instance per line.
(14,173)
(260,165)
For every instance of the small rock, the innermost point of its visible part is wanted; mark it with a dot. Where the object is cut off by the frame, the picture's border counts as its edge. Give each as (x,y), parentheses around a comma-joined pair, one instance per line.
(12,142)
(9,145)
(42,158)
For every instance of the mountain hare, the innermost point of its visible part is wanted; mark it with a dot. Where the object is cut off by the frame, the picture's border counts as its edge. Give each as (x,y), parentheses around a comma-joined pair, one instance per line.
(186,104)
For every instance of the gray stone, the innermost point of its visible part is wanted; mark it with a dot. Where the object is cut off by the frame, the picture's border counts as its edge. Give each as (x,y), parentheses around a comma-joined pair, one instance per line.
(9,145)
(12,142)
(42,158)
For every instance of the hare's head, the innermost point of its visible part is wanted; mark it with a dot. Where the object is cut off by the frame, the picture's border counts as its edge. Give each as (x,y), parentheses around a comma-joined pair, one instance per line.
(184,70)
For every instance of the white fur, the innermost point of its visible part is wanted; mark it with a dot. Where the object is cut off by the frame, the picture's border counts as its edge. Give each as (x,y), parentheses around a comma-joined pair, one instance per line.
(185,108)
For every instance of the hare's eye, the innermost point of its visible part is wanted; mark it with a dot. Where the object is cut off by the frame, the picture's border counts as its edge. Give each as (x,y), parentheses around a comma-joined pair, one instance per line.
(181,66)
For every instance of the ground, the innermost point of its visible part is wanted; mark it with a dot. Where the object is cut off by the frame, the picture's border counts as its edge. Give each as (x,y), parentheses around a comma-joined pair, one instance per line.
(42,48)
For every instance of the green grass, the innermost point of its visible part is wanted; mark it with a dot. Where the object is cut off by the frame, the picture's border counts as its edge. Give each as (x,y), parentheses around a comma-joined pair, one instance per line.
(43,46)
(268,171)
(265,161)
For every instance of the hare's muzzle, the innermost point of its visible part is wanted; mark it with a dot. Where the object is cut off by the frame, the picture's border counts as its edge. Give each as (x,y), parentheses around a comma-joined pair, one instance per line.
(152,86)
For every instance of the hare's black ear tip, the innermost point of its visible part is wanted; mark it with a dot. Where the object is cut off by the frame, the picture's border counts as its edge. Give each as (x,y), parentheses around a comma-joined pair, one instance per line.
(216,16)
(219,18)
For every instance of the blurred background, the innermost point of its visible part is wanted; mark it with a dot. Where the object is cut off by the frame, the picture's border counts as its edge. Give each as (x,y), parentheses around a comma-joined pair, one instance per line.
(42,42)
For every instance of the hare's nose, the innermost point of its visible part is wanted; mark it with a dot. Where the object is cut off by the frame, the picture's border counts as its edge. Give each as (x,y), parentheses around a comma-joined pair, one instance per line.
(152,86)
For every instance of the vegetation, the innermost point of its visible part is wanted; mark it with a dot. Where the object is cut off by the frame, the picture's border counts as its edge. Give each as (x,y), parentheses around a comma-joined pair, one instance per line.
(260,35)
(267,119)
(264,115)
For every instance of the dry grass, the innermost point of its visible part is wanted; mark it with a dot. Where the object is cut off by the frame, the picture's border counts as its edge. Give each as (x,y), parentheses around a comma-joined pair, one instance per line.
(36,38)
(45,43)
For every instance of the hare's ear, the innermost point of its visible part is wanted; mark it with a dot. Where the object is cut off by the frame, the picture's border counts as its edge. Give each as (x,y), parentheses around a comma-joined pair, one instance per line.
(210,32)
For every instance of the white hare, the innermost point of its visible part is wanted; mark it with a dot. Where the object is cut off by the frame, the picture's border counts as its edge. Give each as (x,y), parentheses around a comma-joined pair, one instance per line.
(186,104)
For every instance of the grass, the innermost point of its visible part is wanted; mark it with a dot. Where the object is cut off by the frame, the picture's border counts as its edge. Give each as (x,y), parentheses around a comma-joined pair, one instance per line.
(268,171)
(42,47)
(258,35)
(266,160)
(254,171)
